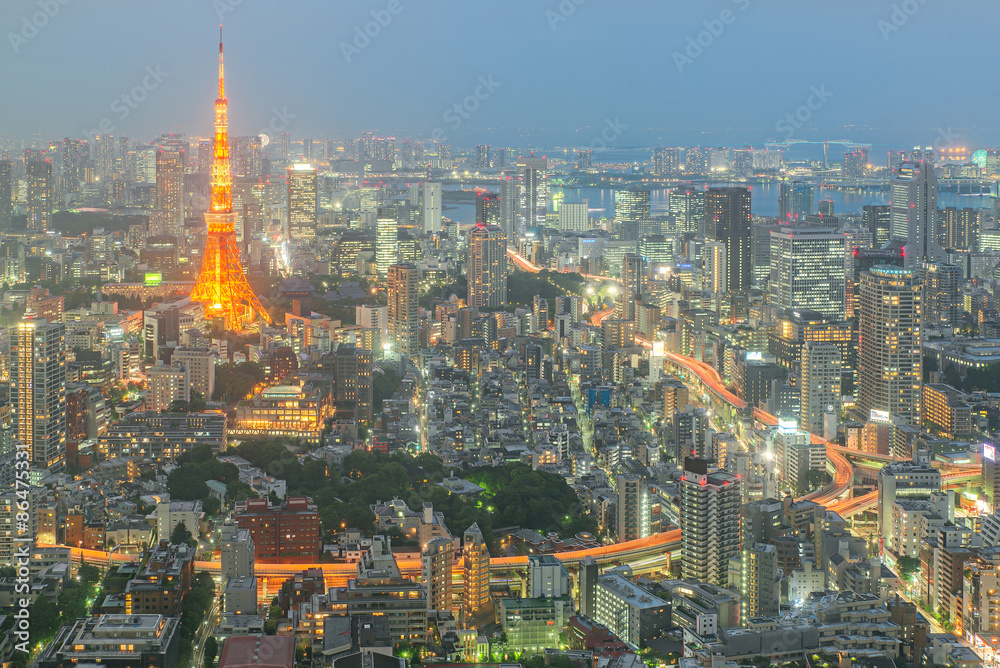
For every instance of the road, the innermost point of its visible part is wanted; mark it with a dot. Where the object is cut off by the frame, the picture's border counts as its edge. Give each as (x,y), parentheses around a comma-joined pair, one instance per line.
(198,656)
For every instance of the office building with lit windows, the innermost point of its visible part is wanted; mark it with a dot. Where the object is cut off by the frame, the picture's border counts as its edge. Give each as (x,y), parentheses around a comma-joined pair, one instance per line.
(386,240)
(727,219)
(914,213)
(808,270)
(293,411)
(404,323)
(40,197)
(687,208)
(487,261)
(890,363)
(38,390)
(710,521)
(795,201)
(631,205)
(302,202)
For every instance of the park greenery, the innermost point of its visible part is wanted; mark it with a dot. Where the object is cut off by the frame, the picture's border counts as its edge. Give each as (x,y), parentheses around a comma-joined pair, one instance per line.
(515,496)
(235,381)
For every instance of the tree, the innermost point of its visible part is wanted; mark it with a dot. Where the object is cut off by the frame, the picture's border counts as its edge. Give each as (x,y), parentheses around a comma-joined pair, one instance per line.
(197,403)
(178,406)
(907,567)
(181,534)
(44,619)
(211,649)
(88,574)
(211,506)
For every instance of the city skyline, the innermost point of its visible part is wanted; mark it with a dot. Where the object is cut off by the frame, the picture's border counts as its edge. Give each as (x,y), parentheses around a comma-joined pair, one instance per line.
(670,102)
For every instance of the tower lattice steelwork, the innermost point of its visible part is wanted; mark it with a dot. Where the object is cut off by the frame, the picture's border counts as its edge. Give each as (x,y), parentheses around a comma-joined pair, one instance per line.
(222,286)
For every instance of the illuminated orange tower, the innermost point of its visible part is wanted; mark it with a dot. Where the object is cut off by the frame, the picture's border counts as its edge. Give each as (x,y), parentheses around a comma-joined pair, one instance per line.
(222,286)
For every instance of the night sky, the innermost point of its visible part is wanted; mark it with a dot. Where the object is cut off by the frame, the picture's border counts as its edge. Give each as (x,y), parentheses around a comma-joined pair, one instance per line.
(888,71)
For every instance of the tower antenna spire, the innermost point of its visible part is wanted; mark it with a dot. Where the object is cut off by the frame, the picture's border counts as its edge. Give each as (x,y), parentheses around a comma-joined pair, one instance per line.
(222,87)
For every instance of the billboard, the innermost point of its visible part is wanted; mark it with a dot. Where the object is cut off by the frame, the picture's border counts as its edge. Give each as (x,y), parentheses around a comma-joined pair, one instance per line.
(879,416)
(989,452)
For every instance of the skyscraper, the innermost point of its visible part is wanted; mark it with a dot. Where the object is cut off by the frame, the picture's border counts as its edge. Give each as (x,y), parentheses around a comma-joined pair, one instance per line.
(6,194)
(169,214)
(943,306)
(386,240)
(795,201)
(875,218)
(633,507)
(403,304)
(889,341)
(710,521)
(820,380)
(727,219)
(75,159)
(914,212)
(532,192)
(38,390)
(631,205)
(808,270)
(574,217)
(39,177)
(687,207)
(713,256)
(488,209)
(430,207)
(509,206)
(633,280)
(487,261)
(302,202)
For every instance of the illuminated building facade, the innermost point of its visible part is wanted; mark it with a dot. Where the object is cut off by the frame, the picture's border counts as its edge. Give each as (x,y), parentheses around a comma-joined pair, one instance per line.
(914,212)
(890,364)
(222,286)
(168,218)
(487,259)
(386,240)
(727,219)
(808,270)
(404,323)
(38,390)
(302,193)
(284,409)
(39,177)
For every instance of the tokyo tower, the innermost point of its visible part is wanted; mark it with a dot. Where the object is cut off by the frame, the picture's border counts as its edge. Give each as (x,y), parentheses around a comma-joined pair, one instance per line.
(222,286)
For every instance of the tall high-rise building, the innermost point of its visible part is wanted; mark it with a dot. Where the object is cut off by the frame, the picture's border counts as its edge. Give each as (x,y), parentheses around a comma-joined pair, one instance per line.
(727,219)
(430,207)
(808,270)
(40,199)
(532,192)
(438,557)
(713,255)
(631,205)
(386,240)
(855,164)
(795,201)
(890,363)
(820,380)
(914,212)
(634,280)
(487,260)
(352,373)
(574,217)
(876,219)
(633,507)
(488,208)
(75,160)
(959,228)
(303,191)
(476,567)
(169,215)
(710,521)
(666,160)
(38,390)
(104,157)
(6,194)
(687,207)
(481,156)
(404,325)
(943,306)
(509,206)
